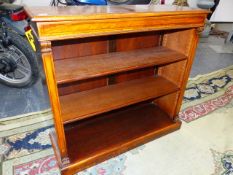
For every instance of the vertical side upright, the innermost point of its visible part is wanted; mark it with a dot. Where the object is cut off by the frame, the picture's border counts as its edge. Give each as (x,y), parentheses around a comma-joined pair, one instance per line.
(184,41)
(54,101)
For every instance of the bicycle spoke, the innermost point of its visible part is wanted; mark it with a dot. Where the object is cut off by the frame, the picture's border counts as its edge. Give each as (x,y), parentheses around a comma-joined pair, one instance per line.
(23,72)
(19,73)
(14,76)
(24,69)
(10,75)
(18,59)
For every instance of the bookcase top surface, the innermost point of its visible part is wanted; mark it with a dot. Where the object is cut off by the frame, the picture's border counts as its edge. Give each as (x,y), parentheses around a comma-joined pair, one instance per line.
(43,14)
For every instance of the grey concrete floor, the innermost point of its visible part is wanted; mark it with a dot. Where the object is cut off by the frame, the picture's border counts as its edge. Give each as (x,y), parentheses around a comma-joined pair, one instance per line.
(20,101)
(207,60)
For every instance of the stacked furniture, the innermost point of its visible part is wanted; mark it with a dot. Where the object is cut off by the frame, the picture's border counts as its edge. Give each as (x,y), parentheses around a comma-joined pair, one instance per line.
(116,75)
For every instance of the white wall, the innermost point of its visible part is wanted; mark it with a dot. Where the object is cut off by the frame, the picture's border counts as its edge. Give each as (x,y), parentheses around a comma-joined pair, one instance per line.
(33,2)
(224,12)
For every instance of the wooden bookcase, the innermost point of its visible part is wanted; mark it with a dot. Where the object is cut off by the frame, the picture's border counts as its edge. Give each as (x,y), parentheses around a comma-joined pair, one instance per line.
(116,75)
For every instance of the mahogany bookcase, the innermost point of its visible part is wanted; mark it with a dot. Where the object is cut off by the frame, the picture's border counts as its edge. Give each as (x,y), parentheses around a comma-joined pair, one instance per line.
(116,75)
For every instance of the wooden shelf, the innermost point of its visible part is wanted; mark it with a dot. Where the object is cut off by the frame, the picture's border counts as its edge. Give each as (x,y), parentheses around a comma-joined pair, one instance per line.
(84,104)
(74,69)
(96,139)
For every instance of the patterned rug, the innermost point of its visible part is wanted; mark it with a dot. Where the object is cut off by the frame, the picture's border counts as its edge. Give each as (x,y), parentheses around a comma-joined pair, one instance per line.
(203,146)
(206,93)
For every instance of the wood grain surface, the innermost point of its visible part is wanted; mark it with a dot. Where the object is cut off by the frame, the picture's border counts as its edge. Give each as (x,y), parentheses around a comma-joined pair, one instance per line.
(85,104)
(85,13)
(121,73)
(54,99)
(187,40)
(92,141)
(107,20)
(135,41)
(68,70)
(84,85)
(75,48)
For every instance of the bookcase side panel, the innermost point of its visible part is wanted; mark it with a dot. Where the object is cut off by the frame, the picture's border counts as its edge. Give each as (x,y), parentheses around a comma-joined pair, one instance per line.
(184,41)
(54,100)
(167,103)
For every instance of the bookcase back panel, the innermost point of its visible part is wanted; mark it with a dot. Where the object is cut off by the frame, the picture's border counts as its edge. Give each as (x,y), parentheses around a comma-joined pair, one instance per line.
(79,47)
(65,89)
(83,85)
(134,41)
(131,75)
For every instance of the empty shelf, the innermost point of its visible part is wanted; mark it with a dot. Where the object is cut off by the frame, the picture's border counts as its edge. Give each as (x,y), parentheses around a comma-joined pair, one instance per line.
(84,104)
(96,139)
(74,69)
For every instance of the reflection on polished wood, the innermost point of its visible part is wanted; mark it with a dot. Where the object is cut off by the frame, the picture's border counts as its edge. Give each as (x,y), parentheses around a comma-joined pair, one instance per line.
(102,12)
(86,21)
